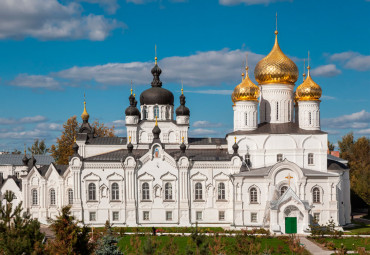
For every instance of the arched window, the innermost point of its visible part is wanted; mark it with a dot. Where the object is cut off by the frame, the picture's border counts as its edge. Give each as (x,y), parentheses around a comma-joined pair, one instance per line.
(145,113)
(115,191)
(289,113)
(198,191)
(246,119)
(277,110)
(168,191)
(279,157)
(265,111)
(253,196)
(221,191)
(145,191)
(34,197)
(283,189)
(156,111)
(52,197)
(92,191)
(310,118)
(310,158)
(316,195)
(248,159)
(70,196)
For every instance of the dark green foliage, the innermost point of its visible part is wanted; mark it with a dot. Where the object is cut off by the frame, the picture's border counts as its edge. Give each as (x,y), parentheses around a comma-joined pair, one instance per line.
(70,238)
(18,234)
(107,244)
(38,148)
(198,244)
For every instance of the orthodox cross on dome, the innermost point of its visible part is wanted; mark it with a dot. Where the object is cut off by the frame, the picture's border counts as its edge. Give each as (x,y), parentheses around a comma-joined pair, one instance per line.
(289,177)
(155,52)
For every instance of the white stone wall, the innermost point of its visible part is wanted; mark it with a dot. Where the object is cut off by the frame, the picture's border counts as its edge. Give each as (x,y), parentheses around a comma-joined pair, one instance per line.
(245,115)
(309,115)
(165,112)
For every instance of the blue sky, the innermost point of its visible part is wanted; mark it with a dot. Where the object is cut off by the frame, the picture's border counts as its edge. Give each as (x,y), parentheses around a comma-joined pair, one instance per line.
(52,51)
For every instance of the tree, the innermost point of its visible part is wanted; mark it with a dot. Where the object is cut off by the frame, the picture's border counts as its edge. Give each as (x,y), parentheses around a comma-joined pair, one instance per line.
(69,237)
(63,148)
(358,155)
(38,148)
(107,245)
(16,152)
(331,146)
(18,234)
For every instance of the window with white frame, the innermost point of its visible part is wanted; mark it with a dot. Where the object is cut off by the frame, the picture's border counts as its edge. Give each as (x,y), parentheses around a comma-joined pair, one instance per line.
(156,111)
(145,191)
(145,215)
(52,196)
(115,191)
(145,113)
(283,189)
(265,111)
(34,197)
(168,191)
(115,216)
(310,118)
(316,195)
(316,217)
(248,159)
(277,110)
(310,159)
(70,196)
(253,196)
(253,217)
(168,215)
(92,216)
(221,215)
(221,191)
(92,191)
(198,215)
(198,191)
(279,157)
(246,119)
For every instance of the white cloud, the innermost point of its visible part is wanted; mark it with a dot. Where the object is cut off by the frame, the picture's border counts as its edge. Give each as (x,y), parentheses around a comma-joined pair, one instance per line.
(36,82)
(248,2)
(357,120)
(110,6)
(327,97)
(120,132)
(326,71)
(211,91)
(202,131)
(352,60)
(117,123)
(32,134)
(206,124)
(363,131)
(24,120)
(50,126)
(52,20)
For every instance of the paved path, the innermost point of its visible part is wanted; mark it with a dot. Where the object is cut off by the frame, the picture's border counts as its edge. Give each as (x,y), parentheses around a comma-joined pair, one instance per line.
(313,248)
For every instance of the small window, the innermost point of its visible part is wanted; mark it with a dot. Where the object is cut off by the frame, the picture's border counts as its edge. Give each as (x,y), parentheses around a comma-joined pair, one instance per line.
(17,174)
(289,113)
(310,158)
(253,217)
(316,195)
(199,215)
(248,159)
(198,191)
(221,191)
(145,191)
(52,197)
(70,196)
(310,118)
(168,191)
(277,110)
(246,119)
(115,191)
(221,215)
(34,197)
(92,216)
(145,113)
(115,216)
(265,111)
(316,217)
(279,157)
(145,215)
(168,215)
(156,111)
(283,189)
(1,175)
(253,194)
(92,192)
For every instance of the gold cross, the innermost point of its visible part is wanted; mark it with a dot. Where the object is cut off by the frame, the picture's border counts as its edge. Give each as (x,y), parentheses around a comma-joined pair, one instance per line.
(289,177)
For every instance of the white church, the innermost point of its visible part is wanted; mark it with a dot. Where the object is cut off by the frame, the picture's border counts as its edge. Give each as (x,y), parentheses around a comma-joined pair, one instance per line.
(272,171)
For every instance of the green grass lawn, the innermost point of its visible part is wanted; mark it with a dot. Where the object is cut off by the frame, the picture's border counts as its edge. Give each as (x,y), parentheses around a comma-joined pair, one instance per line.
(351,243)
(360,229)
(277,245)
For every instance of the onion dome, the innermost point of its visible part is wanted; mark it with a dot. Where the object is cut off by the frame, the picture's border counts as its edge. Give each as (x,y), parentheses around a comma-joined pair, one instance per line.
(33,161)
(156,130)
(308,90)
(276,67)
(132,110)
(156,94)
(85,116)
(75,148)
(246,90)
(182,110)
(235,147)
(130,147)
(25,159)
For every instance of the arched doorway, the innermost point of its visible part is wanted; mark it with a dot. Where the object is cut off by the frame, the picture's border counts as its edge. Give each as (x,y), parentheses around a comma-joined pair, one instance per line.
(292,215)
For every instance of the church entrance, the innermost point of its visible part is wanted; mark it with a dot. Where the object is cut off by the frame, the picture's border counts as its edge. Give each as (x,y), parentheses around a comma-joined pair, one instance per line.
(290,225)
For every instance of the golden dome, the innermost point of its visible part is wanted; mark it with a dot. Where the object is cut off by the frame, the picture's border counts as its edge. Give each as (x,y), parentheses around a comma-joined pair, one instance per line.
(85,116)
(276,67)
(308,90)
(246,90)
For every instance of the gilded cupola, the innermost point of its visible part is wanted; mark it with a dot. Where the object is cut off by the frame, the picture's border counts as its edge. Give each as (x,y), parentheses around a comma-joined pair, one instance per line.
(276,67)
(85,116)
(246,90)
(308,90)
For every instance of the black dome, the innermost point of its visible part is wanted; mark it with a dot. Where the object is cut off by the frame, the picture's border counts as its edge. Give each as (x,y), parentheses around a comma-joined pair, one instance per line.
(156,95)
(182,110)
(132,110)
